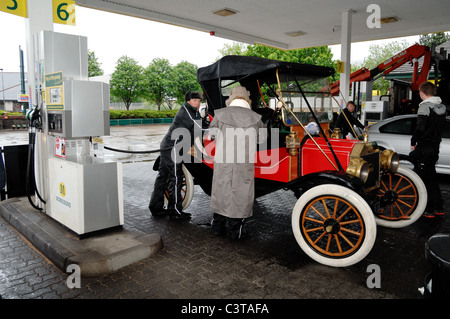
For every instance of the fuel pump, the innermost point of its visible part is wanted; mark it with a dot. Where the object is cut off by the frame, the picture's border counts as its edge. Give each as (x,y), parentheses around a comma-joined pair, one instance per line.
(81,191)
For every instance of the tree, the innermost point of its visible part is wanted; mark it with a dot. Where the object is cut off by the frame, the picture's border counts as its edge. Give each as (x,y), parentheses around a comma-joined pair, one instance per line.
(379,54)
(317,56)
(236,48)
(436,38)
(158,82)
(184,77)
(126,81)
(93,65)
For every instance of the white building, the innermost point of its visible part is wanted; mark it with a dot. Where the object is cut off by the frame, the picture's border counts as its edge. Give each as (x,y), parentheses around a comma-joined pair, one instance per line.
(10,86)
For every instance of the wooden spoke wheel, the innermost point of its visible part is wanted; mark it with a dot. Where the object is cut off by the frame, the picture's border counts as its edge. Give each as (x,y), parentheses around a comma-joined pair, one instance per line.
(334,225)
(403,197)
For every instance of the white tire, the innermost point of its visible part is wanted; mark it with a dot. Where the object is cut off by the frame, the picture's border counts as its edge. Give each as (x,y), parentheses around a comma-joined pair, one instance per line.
(334,225)
(406,197)
(187,190)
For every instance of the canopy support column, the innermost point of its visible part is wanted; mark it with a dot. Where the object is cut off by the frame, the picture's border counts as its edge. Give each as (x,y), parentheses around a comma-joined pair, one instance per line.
(346,36)
(40,17)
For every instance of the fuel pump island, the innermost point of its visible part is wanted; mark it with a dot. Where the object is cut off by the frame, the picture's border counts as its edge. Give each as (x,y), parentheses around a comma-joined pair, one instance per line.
(81,191)
(76,214)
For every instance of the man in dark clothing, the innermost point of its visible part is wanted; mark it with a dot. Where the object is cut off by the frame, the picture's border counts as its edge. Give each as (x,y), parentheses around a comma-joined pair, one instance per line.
(425,143)
(343,120)
(170,174)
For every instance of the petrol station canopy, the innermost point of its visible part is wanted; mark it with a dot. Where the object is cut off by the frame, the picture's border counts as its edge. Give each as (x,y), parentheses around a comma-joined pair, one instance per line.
(289,24)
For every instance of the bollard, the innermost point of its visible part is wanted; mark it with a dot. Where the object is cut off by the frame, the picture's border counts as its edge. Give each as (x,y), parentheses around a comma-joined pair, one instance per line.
(437,252)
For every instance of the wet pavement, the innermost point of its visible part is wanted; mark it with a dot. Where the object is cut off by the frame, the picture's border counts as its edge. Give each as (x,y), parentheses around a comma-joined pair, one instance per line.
(196,265)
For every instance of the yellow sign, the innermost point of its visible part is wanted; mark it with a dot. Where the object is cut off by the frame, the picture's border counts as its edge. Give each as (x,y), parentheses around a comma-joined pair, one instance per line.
(17,7)
(54,91)
(64,12)
(340,66)
(62,189)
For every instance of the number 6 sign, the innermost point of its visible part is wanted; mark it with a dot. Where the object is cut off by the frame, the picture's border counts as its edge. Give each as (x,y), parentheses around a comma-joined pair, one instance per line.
(63,10)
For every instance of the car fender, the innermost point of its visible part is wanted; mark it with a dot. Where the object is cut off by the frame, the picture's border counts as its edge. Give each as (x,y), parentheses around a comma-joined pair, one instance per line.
(383,145)
(403,157)
(386,146)
(327,177)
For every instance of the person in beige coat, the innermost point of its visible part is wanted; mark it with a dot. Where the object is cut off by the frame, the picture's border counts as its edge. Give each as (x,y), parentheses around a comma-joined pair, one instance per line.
(237,129)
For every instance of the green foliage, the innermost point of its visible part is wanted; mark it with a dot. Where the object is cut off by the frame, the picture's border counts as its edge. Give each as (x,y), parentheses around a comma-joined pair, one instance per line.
(141,114)
(380,53)
(236,48)
(436,38)
(127,81)
(2,113)
(158,81)
(318,56)
(93,65)
(185,79)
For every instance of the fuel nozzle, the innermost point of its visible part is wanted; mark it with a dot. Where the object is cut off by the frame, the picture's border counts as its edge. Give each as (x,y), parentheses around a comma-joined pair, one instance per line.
(33,115)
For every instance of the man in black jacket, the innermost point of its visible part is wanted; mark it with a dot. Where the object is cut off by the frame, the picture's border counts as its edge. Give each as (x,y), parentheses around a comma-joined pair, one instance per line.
(170,174)
(425,143)
(343,120)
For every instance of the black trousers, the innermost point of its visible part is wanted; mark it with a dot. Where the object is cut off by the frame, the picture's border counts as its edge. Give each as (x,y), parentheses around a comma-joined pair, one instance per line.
(425,159)
(170,180)
(235,226)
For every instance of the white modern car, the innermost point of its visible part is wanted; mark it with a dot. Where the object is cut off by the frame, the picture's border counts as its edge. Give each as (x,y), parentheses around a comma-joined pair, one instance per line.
(395,133)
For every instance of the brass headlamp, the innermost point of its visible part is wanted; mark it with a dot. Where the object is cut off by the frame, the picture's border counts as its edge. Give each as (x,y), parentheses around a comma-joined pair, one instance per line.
(389,160)
(358,168)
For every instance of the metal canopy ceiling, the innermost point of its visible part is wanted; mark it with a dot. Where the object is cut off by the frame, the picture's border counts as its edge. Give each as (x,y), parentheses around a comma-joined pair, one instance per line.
(270,22)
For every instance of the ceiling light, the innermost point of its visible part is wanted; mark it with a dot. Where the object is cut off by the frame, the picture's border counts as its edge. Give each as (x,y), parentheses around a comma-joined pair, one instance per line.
(295,33)
(225,12)
(389,20)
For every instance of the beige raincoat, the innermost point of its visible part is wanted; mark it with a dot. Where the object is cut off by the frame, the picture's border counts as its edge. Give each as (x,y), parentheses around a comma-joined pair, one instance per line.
(237,130)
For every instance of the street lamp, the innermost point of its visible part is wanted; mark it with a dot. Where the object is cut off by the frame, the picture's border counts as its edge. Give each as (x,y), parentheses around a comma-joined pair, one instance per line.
(3,85)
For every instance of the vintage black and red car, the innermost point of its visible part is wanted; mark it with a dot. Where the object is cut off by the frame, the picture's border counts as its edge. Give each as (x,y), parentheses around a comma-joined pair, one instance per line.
(345,188)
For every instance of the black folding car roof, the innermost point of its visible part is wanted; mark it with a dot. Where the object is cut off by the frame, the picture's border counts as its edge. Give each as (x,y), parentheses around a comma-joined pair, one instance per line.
(249,71)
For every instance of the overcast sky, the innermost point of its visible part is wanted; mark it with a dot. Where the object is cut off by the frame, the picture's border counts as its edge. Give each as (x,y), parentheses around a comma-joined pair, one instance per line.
(111,36)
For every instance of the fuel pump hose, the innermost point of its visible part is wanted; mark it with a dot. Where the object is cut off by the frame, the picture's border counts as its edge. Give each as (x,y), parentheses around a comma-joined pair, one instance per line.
(136,152)
(30,163)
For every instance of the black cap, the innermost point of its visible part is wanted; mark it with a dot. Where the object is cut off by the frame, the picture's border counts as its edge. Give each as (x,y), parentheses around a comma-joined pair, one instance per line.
(193,95)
